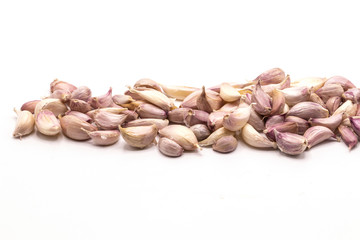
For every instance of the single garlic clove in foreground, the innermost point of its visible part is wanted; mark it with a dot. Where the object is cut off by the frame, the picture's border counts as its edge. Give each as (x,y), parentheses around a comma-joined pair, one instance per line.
(181,135)
(225,144)
(72,127)
(318,134)
(290,143)
(139,137)
(47,123)
(170,148)
(24,124)
(255,139)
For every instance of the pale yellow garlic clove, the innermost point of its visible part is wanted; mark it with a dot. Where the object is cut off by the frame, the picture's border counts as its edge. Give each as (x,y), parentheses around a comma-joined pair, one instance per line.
(313,83)
(24,124)
(316,99)
(216,135)
(72,127)
(52,104)
(155,97)
(139,137)
(122,99)
(208,101)
(255,139)
(278,102)
(47,123)
(114,110)
(178,92)
(181,135)
(228,93)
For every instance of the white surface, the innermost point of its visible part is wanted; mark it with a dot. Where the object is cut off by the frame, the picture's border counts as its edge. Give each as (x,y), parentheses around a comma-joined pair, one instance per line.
(60,189)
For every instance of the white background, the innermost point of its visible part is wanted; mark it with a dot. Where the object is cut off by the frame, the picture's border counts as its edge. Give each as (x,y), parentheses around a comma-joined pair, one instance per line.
(60,189)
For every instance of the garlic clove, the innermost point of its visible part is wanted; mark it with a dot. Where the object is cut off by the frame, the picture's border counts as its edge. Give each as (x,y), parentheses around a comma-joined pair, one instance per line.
(271,76)
(109,110)
(352,94)
(81,93)
(290,127)
(178,115)
(255,139)
(24,124)
(80,115)
(109,121)
(72,127)
(331,122)
(79,106)
(348,136)
(61,85)
(318,134)
(102,101)
(155,97)
(232,106)
(208,101)
(295,95)
(216,135)
(290,143)
(103,138)
(273,120)
(330,90)
(228,93)
(63,95)
(47,123)
(196,117)
(285,110)
(278,102)
(333,104)
(271,87)
(191,100)
(308,110)
(302,124)
(147,110)
(313,83)
(256,120)
(225,144)
(201,131)
(148,83)
(316,99)
(122,99)
(139,137)
(237,119)
(178,92)
(170,148)
(345,83)
(52,104)
(215,120)
(355,124)
(262,101)
(159,123)
(181,135)
(30,106)
(347,109)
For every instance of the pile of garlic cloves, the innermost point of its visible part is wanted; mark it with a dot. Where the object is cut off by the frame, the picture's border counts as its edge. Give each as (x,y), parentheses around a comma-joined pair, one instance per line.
(270,112)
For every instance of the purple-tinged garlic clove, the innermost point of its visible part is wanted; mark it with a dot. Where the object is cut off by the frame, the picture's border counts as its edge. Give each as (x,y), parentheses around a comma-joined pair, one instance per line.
(103,138)
(290,127)
(308,110)
(302,124)
(290,143)
(225,144)
(261,100)
(344,82)
(331,122)
(318,134)
(169,147)
(81,93)
(30,106)
(348,136)
(72,127)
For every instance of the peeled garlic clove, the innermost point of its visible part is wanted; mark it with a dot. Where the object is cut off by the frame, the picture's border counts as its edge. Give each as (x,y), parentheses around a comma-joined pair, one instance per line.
(109,110)
(278,102)
(30,106)
(318,134)
(348,136)
(103,138)
(80,115)
(170,148)
(159,123)
(228,93)
(273,120)
(345,83)
(181,135)
(109,121)
(316,99)
(333,104)
(139,137)
(155,97)
(262,101)
(306,110)
(122,99)
(355,124)
(216,120)
(271,76)
(347,109)
(191,100)
(237,119)
(63,95)
(72,127)
(61,85)
(24,124)
(290,143)
(102,101)
(313,83)
(225,144)
(302,124)
(178,92)
(295,95)
(81,93)
(196,117)
(201,131)
(47,123)
(331,122)
(255,139)
(352,94)
(79,105)
(178,115)
(147,110)
(290,127)
(52,104)
(148,83)
(271,87)
(216,135)
(256,120)
(330,90)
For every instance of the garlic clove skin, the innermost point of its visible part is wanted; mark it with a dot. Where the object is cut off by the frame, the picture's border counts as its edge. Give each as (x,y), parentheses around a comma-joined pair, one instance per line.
(103,138)
(344,82)
(295,95)
(273,120)
(237,119)
(72,127)
(109,121)
(61,85)
(170,148)
(159,123)
(81,93)
(347,109)
(155,97)
(178,115)
(330,90)
(290,127)
(147,110)
(207,104)
(139,137)
(271,76)
(348,136)
(306,110)
(290,143)
(255,139)
(191,100)
(102,101)
(30,106)
(196,117)
(109,110)
(313,83)
(122,99)
(302,124)
(333,104)
(285,110)
(24,124)
(181,135)
(79,106)
(215,120)
(278,102)
(316,99)
(271,87)
(256,121)
(331,122)
(201,131)
(318,134)
(232,106)
(225,144)
(228,93)
(47,123)
(63,95)
(355,124)
(261,100)
(52,104)
(80,115)
(148,83)
(352,94)
(216,135)
(178,92)
(358,110)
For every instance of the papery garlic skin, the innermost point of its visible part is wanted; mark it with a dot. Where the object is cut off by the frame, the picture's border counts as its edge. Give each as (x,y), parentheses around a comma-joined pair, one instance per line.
(302,124)
(278,102)
(102,101)
(347,109)
(104,138)
(331,122)
(290,127)
(30,106)
(159,123)
(330,90)
(81,93)
(271,76)
(348,136)
(181,135)
(139,137)
(255,139)
(47,123)
(155,97)
(80,115)
(225,144)
(290,143)
(72,127)
(237,119)
(333,104)
(344,82)
(318,134)
(308,110)
(273,120)
(61,85)
(24,124)
(52,104)
(295,95)
(79,105)
(148,83)
(355,124)
(201,131)
(261,100)
(109,121)
(313,83)
(169,147)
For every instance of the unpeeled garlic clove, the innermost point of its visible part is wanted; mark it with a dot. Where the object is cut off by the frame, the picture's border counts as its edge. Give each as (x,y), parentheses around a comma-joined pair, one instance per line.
(237,119)
(178,115)
(302,124)
(273,120)
(294,95)
(139,137)
(159,123)
(24,124)
(330,90)
(255,139)
(216,120)
(191,100)
(352,94)
(345,83)
(290,127)
(262,101)
(216,135)
(109,110)
(81,93)
(181,135)
(313,83)
(286,109)
(80,115)
(102,101)
(61,85)
(346,122)
(103,138)
(201,131)
(231,106)
(178,92)
(333,104)
(63,95)
(270,88)
(196,117)
(79,105)
(52,104)
(109,121)
(132,105)
(355,124)
(225,144)
(155,97)
(358,110)
(134,95)
(316,99)
(30,106)
(147,110)
(228,93)
(256,120)
(318,134)
(170,148)
(306,110)
(271,76)
(278,102)
(331,122)
(131,115)
(148,83)
(122,99)
(348,136)
(347,109)
(290,143)
(72,127)
(208,101)
(47,123)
